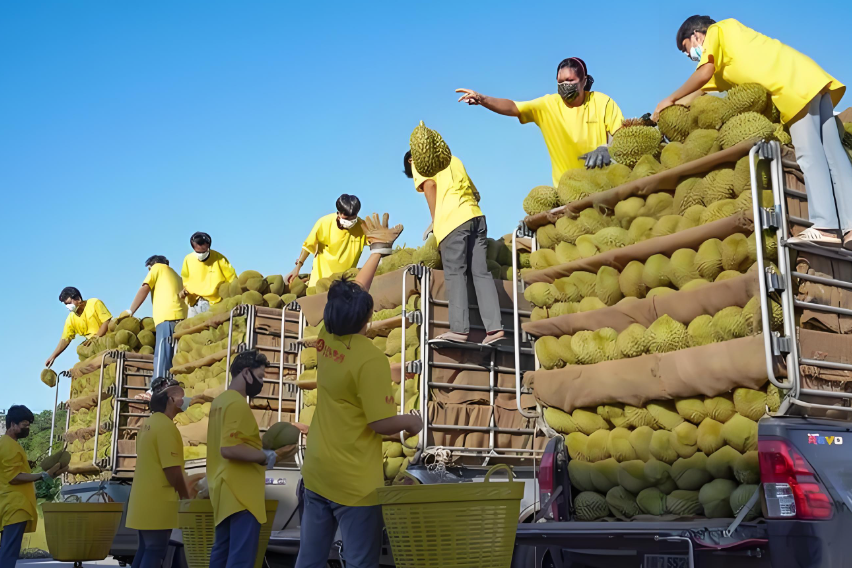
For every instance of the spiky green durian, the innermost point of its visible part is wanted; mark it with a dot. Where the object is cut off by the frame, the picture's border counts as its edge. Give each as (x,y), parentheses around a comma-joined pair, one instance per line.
(633,141)
(667,334)
(682,267)
(540,199)
(632,341)
(429,153)
(627,210)
(702,331)
(584,281)
(750,403)
(566,252)
(547,236)
(540,294)
(675,123)
(706,112)
(673,155)
(718,210)
(740,498)
(573,185)
(607,288)
(656,271)
(641,228)
(543,258)
(630,280)
(611,238)
(740,433)
(747,97)
(718,184)
(715,498)
(590,506)
(547,351)
(687,194)
(730,323)
(746,126)
(701,143)
(646,167)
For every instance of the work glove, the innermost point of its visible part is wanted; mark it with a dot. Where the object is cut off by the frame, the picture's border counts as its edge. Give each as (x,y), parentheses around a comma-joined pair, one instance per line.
(427,232)
(379,235)
(597,158)
(271,458)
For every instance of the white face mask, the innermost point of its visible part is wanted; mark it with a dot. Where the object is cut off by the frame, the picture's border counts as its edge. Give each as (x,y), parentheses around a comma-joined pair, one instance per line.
(202,256)
(695,53)
(347,223)
(71,308)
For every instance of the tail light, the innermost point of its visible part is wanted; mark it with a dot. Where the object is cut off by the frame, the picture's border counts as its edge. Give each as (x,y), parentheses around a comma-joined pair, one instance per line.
(546,484)
(791,487)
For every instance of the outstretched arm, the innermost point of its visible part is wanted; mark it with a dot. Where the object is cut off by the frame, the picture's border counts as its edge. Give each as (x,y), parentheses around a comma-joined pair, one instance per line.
(381,238)
(140,297)
(506,107)
(60,347)
(697,80)
(303,256)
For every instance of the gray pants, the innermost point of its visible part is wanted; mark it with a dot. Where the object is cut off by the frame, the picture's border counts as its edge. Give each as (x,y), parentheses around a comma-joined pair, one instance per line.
(463,252)
(200,307)
(163,349)
(360,528)
(825,165)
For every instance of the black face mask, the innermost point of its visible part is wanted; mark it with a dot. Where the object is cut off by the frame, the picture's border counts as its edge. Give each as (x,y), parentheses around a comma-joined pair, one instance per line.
(254,387)
(24,432)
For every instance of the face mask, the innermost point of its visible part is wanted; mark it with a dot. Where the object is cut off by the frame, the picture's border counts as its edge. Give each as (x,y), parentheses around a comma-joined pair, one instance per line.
(202,256)
(568,91)
(253,389)
(71,308)
(347,223)
(24,432)
(695,53)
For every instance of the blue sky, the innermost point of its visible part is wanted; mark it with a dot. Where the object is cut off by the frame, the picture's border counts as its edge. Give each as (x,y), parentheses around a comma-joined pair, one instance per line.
(127,126)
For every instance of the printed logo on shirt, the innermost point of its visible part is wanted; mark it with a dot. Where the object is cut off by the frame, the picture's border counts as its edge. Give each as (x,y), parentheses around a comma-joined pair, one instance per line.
(330,353)
(389,400)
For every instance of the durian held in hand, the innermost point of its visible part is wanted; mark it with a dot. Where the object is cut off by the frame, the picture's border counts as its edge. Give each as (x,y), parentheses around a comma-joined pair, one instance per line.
(429,153)
(380,236)
(282,435)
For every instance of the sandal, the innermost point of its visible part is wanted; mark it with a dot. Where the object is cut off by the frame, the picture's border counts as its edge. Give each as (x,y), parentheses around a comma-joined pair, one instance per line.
(816,236)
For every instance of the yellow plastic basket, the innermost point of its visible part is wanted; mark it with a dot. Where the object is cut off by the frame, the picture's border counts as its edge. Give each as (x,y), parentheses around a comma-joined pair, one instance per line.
(196,522)
(81,531)
(454,524)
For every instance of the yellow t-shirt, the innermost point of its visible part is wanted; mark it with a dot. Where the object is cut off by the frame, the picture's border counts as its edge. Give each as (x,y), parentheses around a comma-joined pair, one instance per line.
(153,501)
(334,249)
(165,285)
(571,132)
(17,502)
(455,198)
(94,315)
(742,55)
(234,486)
(202,278)
(343,460)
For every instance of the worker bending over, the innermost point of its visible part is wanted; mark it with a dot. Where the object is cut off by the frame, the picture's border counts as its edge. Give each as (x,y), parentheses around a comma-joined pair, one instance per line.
(729,53)
(18,513)
(576,122)
(165,286)
(461,232)
(336,241)
(203,271)
(236,464)
(355,408)
(159,480)
(89,318)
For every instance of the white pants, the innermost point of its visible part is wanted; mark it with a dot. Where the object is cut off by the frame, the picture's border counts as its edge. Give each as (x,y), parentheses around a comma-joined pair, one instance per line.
(200,307)
(825,165)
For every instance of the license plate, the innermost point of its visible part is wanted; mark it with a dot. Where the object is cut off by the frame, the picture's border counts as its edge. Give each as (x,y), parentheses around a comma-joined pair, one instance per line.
(665,561)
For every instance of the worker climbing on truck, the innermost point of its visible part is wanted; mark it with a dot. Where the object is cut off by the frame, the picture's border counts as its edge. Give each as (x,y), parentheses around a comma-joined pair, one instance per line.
(18,513)
(203,271)
(164,285)
(729,53)
(355,408)
(577,123)
(336,241)
(159,480)
(89,318)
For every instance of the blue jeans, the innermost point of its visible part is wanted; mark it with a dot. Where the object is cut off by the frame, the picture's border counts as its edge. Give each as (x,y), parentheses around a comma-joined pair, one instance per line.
(152,548)
(236,542)
(163,349)
(10,544)
(360,527)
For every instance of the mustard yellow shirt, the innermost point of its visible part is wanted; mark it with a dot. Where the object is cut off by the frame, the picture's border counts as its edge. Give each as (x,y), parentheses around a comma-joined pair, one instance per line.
(455,198)
(202,278)
(343,460)
(742,55)
(571,132)
(334,249)
(17,502)
(153,501)
(234,486)
(165,285)
(94,315)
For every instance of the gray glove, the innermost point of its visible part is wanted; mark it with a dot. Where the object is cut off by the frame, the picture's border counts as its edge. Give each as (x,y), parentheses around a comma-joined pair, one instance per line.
(271,458)
(597,158)
(427,232)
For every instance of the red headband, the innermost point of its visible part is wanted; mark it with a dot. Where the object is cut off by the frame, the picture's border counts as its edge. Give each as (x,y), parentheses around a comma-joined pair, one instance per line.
(582,64)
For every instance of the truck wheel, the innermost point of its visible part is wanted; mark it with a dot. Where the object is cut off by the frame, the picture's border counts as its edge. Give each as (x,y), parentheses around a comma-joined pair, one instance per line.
(524,557)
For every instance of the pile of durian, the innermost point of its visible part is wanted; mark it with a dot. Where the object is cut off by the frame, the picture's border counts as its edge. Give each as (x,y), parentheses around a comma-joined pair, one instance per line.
(197,412)
(81,423)
(689,457)
(83,449)
(127,334)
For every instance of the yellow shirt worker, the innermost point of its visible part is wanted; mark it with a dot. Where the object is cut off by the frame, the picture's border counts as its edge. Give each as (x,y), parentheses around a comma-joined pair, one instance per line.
(159,480)
(460,232)
(577,123)
(165,287)
(336,241)
(203,271)
(89,318)
(729,54)
(18,513)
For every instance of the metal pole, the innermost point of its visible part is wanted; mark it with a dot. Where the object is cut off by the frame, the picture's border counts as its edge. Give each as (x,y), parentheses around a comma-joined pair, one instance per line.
(516,321)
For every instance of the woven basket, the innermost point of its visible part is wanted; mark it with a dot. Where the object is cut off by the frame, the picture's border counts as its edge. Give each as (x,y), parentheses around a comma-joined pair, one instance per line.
(196,522)
(455,524)
(81,531)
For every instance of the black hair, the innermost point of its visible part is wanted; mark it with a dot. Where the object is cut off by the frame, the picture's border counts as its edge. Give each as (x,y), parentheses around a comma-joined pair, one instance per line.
(157,259)
(17,414)
(69,292)
(691,25)
(348,307)
(348,205)
(200,239)
(159,393)
(578,66)
(251,359)
(406,165)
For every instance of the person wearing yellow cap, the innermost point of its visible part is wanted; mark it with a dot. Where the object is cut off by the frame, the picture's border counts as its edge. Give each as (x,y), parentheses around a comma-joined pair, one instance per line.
(728,53)
(89,318)
(203,271)
(159,479)
(18,513)
(576,122)
(164,285)
(336,241)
